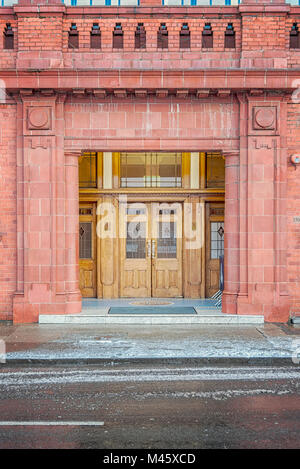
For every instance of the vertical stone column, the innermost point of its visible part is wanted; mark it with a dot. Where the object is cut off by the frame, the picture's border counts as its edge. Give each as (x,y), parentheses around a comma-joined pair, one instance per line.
(243,199)
(44,218)
(71,267)
(231,234)
(266,208)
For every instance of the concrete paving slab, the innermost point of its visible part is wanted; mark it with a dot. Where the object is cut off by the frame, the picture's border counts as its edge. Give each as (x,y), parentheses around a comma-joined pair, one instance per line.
(92,343)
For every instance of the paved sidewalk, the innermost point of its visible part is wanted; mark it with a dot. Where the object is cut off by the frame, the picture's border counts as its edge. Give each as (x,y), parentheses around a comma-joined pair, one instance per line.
(74,343)
(36,343)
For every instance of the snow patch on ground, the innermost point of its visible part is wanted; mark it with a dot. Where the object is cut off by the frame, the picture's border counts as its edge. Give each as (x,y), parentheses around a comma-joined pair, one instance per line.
(119,348)
(30,377)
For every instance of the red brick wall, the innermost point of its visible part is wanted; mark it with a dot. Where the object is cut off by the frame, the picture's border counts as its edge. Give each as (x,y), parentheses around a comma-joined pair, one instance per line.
(8,57)
(261,41)
(264,32)
(8,209)
(151,57)
(293,54)
(39,33)
(293,195)
(151,25)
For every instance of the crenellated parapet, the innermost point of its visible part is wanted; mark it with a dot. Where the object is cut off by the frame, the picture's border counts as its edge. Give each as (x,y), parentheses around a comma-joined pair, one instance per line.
(42,35)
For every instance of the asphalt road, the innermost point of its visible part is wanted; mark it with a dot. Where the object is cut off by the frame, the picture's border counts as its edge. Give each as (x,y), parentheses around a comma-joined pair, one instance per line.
(149,407)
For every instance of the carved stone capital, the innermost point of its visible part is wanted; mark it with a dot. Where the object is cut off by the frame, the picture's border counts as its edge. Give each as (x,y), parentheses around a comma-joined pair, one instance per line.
(73,153)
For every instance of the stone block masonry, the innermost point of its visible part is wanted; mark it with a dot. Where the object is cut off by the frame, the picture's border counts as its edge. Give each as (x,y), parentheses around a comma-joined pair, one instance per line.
(62,99)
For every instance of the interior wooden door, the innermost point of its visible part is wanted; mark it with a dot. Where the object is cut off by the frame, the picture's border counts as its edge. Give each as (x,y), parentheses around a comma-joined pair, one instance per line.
(87,250)
(214,246)
(135,250)
(166,250)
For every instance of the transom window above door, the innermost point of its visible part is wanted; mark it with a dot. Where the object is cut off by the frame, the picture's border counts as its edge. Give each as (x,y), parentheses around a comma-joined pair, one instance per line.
(136,171)
(151,170)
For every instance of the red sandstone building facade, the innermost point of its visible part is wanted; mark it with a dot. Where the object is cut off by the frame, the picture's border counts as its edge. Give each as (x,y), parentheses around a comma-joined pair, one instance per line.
(195,106)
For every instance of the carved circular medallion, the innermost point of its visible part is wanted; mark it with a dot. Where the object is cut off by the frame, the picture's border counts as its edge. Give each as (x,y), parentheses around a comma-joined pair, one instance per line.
(264,117)
(38,118)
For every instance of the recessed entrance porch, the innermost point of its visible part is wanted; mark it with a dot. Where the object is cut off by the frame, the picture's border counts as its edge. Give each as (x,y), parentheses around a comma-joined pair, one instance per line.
(151,224)
(96,311)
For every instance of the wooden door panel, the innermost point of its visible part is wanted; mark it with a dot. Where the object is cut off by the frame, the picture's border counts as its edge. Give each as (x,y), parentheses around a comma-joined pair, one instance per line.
(214,277)
(87,250)
(151,266)
(135,273)
(214,246)
(194,248)
(135,282)
(166,281)
(167,252)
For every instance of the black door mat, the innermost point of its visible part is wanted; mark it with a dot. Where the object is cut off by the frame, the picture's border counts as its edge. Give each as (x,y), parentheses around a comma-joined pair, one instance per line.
(152,310)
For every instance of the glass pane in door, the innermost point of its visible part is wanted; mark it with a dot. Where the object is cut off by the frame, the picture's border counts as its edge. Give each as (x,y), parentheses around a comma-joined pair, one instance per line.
(216,239)
(136,240)
(166,241)
(85,240)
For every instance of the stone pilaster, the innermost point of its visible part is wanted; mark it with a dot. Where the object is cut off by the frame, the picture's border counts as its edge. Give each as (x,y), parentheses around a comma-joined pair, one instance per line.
(232,232)
(44,217)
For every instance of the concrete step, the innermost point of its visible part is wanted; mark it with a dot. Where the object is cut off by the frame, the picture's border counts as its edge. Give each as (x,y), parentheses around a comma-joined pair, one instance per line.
(209,316)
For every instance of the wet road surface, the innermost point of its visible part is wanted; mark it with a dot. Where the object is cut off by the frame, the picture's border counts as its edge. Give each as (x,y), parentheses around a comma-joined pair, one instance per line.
(149,407)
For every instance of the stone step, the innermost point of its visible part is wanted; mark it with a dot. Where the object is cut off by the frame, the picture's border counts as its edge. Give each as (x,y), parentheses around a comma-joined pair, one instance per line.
(202,317)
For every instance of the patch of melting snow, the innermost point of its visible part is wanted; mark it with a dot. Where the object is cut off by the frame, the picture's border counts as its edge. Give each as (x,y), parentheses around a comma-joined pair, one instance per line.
(28,377)
(111,348)
(219,395)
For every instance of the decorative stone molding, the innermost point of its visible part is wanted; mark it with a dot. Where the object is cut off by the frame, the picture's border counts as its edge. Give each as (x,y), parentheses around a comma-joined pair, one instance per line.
(40,142)
(162,93)
(230,153)
(258,144)
(73,153)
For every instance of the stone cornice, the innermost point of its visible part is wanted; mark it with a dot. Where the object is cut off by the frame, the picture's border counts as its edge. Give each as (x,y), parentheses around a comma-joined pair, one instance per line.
(169,11)
(127,11)
(136,81)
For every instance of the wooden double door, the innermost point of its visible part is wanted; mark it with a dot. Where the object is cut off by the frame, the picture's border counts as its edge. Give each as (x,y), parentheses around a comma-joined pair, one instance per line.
(151,250)
(149,254)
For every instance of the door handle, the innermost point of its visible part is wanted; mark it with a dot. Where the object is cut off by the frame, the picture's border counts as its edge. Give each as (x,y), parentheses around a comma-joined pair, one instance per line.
(153,248)
(149,248)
